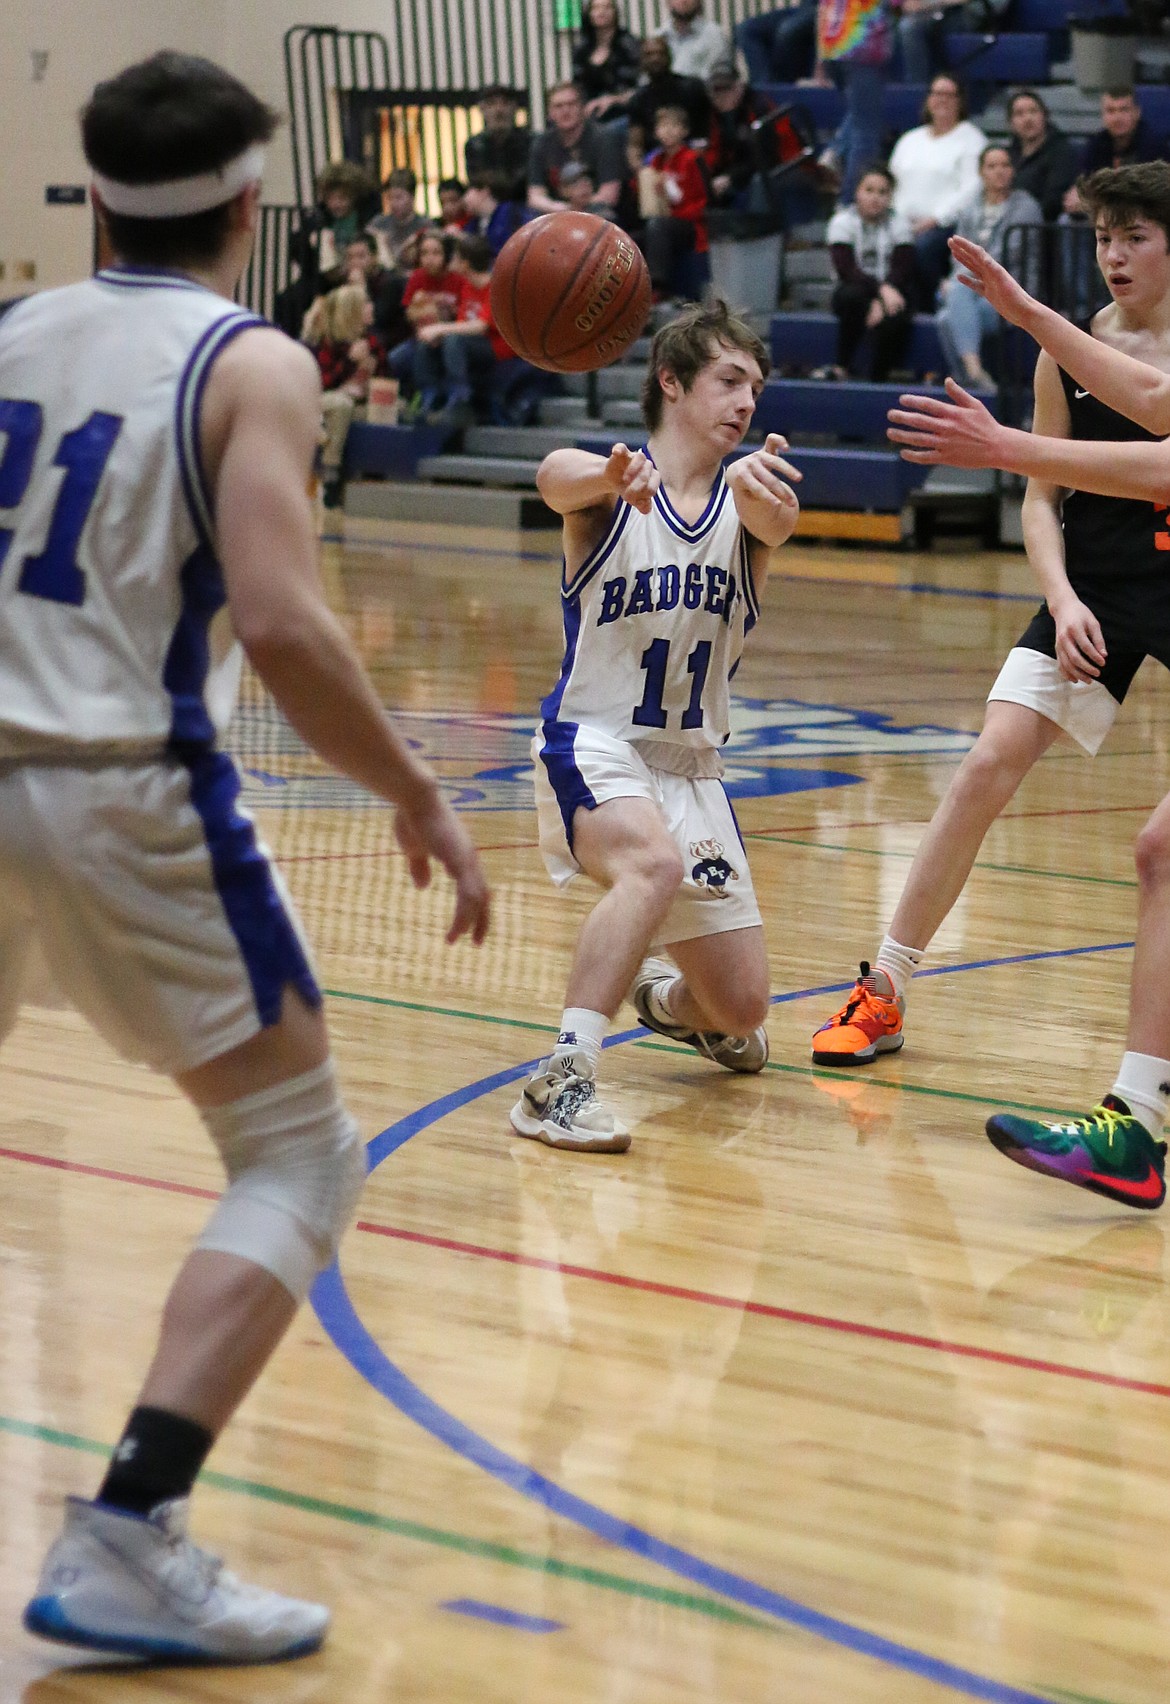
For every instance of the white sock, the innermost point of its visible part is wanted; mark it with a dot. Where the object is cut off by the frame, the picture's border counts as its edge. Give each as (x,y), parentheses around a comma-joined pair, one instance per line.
(899,963)
(584,1030)
(1143,1083)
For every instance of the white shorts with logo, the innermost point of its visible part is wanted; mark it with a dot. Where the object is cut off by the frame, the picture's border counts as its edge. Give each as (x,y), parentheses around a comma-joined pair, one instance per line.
(1084,709)
(590,768)
(159,912)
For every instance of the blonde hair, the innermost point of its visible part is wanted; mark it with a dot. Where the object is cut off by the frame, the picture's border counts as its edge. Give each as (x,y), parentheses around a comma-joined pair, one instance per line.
(339,317)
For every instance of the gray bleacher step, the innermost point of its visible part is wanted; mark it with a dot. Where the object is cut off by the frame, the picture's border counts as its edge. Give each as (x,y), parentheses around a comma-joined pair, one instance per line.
(812,263)
(811,295)
(613,382)
(515,441)
(621,412)
(566,410)
(480,470)
(476,506)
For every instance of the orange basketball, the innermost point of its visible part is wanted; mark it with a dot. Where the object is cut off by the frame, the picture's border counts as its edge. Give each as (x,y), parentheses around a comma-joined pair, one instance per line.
(570,292)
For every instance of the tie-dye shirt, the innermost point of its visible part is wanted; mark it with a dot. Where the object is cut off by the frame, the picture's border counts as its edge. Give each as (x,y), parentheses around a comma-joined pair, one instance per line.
(856,30)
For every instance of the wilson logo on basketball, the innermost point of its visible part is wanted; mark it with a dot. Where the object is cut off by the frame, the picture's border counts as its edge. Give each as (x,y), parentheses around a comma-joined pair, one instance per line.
(606,286)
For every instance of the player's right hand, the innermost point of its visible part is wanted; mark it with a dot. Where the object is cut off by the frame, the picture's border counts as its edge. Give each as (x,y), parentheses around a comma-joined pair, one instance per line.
(987,278)
(632,476)
(1080,643)
(428,828)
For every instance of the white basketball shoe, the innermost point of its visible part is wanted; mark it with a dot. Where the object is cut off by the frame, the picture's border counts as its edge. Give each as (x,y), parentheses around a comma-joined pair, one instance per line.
(135,1584)
(745,1053)
(560,1106)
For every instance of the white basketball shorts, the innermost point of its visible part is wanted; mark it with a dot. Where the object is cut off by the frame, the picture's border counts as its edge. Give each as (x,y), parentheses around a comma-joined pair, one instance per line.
(1083,708)
(579,766)
(159,912)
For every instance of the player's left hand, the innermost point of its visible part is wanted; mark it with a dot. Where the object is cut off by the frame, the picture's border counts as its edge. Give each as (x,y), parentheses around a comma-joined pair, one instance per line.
(961,433)
(764,476)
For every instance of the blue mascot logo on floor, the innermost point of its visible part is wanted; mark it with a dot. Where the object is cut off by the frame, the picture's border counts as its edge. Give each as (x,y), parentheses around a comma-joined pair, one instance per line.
(483,761)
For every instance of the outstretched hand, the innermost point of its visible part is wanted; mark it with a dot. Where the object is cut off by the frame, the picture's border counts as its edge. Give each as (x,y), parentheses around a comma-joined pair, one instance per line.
(961,433)
(632,476)
(987,278)
(428,828)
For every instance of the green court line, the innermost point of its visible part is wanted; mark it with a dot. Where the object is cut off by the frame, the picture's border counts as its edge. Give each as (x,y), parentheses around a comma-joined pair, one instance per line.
(872,852)
(464,1543)
(440,1011)
(1076,1697)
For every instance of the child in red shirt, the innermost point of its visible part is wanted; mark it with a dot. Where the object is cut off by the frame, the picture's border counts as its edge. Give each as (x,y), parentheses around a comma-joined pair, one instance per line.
(679,227)
(451,355)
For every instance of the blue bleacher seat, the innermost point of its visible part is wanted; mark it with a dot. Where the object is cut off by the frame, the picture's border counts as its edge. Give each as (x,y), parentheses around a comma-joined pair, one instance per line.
(847,410)
(394,452)
(1008,58)
(1154,100)
(810,340)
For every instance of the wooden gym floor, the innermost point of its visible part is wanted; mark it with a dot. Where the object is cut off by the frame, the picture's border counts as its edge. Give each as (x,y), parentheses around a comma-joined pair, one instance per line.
(811,1398)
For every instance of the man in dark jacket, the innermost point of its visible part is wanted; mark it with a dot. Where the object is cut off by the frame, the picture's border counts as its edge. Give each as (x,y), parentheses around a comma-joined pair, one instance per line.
(1044,159)
(502,145)
(1125,137)
(663,88)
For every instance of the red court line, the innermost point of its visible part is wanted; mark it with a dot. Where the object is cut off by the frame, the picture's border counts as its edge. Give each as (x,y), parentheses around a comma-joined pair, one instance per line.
(914,822)
(708,1298)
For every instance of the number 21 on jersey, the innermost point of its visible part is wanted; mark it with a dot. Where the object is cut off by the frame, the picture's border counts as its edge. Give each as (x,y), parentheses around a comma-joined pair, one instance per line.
(83,453)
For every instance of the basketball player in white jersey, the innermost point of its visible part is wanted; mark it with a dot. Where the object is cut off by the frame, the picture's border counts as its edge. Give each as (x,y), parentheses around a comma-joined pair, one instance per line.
(156,452)
(665,558)
(1115,1149)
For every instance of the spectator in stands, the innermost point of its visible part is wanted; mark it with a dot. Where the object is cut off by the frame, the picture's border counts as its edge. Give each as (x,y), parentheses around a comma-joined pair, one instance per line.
(399,225)
(502,145)
(349,353)
(780,46)
(432,291)
(730,157)
(695,42)
(453,214)
(924,25)
(453,357)
(382,284)
(854,44)
(606,62)
(993,218)
(492,215)
(572,136)
(663,86)
(346,197)
(677,226)
(872,250)
(936,169)
(580,191)
(1124,139)
(1043,158)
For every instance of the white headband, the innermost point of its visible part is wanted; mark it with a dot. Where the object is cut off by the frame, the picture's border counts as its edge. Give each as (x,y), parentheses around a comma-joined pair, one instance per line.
(177,197)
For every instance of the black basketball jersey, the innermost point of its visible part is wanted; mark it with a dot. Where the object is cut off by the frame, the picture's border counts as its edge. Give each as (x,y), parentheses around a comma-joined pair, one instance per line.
(1110,539)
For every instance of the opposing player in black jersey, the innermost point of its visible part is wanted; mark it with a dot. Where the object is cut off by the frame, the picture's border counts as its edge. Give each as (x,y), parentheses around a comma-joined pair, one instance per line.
(1102,565)
(1115,1150)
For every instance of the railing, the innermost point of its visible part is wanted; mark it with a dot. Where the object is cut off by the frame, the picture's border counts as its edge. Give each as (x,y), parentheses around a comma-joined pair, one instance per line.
(1060,261)
(270,268)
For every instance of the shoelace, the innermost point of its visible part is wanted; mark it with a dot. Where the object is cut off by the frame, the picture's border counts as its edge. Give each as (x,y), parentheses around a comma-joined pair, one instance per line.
(1102,1118)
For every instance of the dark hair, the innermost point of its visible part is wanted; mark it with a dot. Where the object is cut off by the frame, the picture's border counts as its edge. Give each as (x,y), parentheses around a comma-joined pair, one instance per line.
(431,233)
(476,251)
(1118,194)
(366,238)
(171,116)
(402,178)
(945,77)
(878,168)
(1026,95)
(587,29)
(1121,92)
(451,183)
(496,182)
(994,148)
(345,175)
(498,92)
(688,344)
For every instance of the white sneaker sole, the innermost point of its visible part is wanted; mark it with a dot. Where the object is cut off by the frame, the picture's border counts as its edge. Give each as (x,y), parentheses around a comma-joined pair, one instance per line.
(556,1136)
(48,1619)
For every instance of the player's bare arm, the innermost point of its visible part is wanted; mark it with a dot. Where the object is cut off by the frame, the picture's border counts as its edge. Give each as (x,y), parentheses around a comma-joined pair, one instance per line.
(1080,645)
(260,425)
(1138,391)
(761,489)
(582,488)
(961,433)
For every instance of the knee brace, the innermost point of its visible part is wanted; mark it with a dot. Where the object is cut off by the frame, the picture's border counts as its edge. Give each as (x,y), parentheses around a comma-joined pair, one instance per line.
(295,1166)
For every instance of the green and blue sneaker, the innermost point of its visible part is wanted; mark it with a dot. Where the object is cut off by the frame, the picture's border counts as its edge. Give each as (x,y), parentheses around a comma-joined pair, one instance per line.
(1109,1151)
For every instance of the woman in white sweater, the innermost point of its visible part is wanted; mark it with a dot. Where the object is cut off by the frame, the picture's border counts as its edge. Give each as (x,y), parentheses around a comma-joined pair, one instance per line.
(936,168)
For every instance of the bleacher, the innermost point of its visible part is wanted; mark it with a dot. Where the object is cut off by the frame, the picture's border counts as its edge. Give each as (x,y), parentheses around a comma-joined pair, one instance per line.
(855,485)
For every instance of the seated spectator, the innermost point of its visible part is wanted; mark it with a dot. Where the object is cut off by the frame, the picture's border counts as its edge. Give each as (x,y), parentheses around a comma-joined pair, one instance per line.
(453,215)
(492,215)
(502,145)
(454,357)
(349,353)
(695,42)
(605,62)
(734,156)
(383,285)
(1043,158)
(780,46)
(433,290)
(1124,139)
(580,191)
(398,226)
(663,87)
(572,136)
(925,24)
(992,218)
(676,222)
(872,250)
(345,199)
(936,170)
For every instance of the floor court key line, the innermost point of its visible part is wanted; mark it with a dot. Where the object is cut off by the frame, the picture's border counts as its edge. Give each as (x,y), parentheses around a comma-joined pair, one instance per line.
(339,1319)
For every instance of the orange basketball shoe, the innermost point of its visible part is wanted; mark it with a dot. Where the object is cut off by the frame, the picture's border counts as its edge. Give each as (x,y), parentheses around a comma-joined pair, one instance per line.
(869,1023)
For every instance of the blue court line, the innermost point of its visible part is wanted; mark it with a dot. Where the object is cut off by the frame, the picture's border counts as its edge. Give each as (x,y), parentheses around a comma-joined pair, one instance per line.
(503,1617)
(339,1319)
(795,579)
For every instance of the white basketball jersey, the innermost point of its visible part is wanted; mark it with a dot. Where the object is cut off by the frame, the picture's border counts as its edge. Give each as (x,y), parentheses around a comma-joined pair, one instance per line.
(114,637)
(655,622)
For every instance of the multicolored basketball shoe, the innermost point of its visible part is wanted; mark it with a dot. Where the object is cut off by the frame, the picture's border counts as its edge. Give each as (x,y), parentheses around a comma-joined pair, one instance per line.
(869,1023)
(744,1053)
(559,1106)
(1109,1151)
